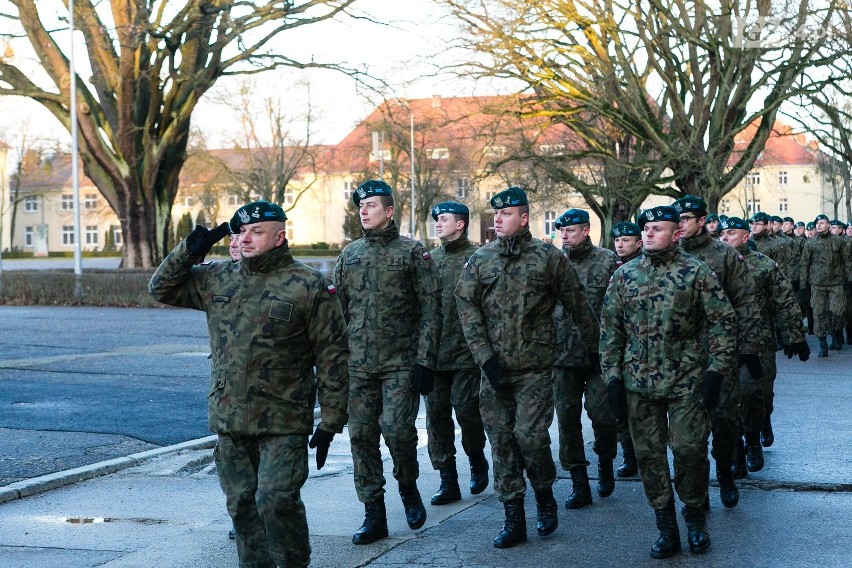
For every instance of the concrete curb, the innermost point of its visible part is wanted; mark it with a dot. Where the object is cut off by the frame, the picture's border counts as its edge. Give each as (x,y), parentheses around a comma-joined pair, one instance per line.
(27,487)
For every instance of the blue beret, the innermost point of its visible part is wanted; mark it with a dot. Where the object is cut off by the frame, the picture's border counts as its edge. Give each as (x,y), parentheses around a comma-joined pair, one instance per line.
(800,224)
(733,223)
(371,189)
(760,217)
(810,225)
(572,217)
(712,217)
(512,197)
(788,220)
(690,204)
(255,213)
(777,219)
(659,213)
(820,217)
(837,223)
(450,207)
(626,229)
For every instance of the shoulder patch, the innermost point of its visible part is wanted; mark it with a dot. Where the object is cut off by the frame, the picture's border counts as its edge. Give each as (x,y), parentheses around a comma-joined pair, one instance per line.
(739,256)
(331,289)
(466,263)
(426,255)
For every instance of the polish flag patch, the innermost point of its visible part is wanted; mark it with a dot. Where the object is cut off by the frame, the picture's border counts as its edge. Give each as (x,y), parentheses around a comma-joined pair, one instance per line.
(331,289)
(426,255)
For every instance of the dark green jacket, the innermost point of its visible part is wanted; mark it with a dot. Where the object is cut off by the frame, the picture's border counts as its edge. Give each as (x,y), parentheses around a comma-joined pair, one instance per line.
(449,259)
(825,261)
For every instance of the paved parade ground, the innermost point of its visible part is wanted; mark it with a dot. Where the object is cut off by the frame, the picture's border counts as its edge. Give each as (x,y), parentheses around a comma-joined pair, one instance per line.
(85,388)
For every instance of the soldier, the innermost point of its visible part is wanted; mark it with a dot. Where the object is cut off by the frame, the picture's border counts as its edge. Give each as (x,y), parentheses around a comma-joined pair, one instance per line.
(272,321)
(826,267)
(506,295)
(729,267)
(804,287)
(627,239)
(848,289)
(457,376)
(810,230)
(799,229)
(575,377)
(762,237)
(234,247)
(658,313)
(712,225)
(778,311)
(389,293)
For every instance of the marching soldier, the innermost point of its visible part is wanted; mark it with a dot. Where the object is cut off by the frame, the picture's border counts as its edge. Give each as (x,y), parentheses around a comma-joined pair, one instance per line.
(712,225)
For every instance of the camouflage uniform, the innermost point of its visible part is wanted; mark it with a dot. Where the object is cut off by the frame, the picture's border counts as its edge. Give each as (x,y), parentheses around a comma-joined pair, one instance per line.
(665,321)
(457,377)
(826,267)
(770,246)
(729,267)
(573,376)
(272,320)
(389,293)
(623,425)
(506,295)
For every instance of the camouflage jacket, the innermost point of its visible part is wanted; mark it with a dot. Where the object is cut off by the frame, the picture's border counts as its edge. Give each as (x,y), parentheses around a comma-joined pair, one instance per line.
(506,295)
(729,266)
(797,244)
(826,261)
(655,315)
(622,261)
(790,260)
(388,288)
(774,295)
(272,320)
(449,259)
(594,266)
(769,245)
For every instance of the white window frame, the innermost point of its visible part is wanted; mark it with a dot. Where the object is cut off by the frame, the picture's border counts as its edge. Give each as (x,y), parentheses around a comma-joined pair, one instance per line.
(753,206)
(783,205)
(29,232)
(551,149)
(439,153)
(31,204)
(348,188)
(233,200)
(91,235)
(68,235)
(116,234)
(187,201)
(462,187)
(66,202)
(549,223)
(90,201)
(782,178)
(753,178)
(289,195)
(725,206)
(494,151)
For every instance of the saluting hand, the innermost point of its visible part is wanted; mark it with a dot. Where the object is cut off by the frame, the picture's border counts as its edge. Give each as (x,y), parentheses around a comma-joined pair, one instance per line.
(202,239)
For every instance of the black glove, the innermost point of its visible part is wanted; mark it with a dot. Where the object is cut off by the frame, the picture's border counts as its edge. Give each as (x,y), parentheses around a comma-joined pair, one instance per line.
(424,379)
(711,386)
(789,351)
(801,349)
(752,363)
(617,396)
(201,239)
(493,372)
(321,440)
(595,359)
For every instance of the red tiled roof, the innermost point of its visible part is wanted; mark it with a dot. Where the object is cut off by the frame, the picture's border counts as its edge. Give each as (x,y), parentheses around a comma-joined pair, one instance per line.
(784,147)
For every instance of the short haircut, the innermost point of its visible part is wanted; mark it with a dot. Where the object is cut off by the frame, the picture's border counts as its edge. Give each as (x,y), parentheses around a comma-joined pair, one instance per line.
(386,200)
(524,209)
(465,218)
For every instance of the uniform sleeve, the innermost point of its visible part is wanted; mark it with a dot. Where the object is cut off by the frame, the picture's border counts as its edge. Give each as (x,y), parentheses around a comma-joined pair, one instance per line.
(573,299)
(341,289)
(722,323)
(806,266)
(176,281)
(785,309)
(428,292)
(329,345)
(739,286)
(469,302)
(613,339)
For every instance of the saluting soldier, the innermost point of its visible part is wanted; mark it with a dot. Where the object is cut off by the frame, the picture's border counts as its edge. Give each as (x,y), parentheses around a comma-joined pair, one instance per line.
(506,295)
(388,289)
(457,377)
(272,322)
(668,337)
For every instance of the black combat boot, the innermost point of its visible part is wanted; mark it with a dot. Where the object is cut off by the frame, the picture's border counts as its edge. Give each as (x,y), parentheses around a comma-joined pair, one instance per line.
(836,341)
(415,512)
(546,508)
(727,488)
(629,468)
(478,473)
(767,436)
(754,452)
(849,333)
(669,541)
(514,527)
(823,347)
(375,523)
(582,493)
(449,491)
(740,468)
(606,480)
(696,526)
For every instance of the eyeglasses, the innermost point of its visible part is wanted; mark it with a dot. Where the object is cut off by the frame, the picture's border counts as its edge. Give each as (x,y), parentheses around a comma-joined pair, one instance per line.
(687,218)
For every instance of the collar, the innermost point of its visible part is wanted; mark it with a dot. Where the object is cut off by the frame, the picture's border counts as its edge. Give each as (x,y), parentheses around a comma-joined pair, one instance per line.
(697,241)
(743,249)
(268,261)
(458,244)
(511,246)
(580,252)
(383,236)
(630,257)
(663,256)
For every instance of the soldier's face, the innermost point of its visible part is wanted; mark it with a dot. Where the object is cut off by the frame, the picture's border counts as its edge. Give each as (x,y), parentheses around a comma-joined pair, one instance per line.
(625,246)
(373,214)
(776,226)
(758,227)
(449,227)
(234,247)
(659,235)
(849,230)
(810,232)
(799,231)
(786,226)
(836,230)
(690,225)
(509,221)
(258,238)
(822,226)
(734,237)
(574,235)
(712,226)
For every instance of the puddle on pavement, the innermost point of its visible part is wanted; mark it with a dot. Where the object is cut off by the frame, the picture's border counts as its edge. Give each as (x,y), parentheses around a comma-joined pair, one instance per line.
(97,520)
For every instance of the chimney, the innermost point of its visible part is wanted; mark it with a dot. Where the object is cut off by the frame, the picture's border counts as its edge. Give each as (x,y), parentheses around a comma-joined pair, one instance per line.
(436,101)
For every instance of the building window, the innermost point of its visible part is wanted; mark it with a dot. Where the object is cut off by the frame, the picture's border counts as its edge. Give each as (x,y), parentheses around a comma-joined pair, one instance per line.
(549,223)
(90,201)
(28,236)
(439,153)
(552,149)
(289,195)
(725,206)
(494,151)
(91,234)
(291,233)
(753,206)
(782,205)
(782,178)
(67,203)
(348,188)
(68,235)
(187,201)
(753,178)
(232,200)
(31,204)
(116,235)
(462,187)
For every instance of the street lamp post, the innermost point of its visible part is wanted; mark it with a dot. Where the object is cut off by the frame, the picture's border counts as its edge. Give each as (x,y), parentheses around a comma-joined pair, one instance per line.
(411,154)
(75,177)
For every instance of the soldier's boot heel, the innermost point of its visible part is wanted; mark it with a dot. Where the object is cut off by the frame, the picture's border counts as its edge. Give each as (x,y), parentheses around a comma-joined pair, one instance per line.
(669,540)
(754,452)
(823,347)
(582,493)
(514,527)
(606,479)
(478,474)
(836,341)
(375,525)
(548,519)
(449,491)
(767,436)
(728,491)
(696,526)
(630,467)
(415,512)
(739,469)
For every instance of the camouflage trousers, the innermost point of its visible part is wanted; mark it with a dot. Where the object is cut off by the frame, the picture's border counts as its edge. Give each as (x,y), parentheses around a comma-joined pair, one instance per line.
(382,405)
(570,386)
(517,419)
(725,422)
(454,390)
(848,289)
(755,402)
(767,383)
(829,303)
(261,477)
(684,425)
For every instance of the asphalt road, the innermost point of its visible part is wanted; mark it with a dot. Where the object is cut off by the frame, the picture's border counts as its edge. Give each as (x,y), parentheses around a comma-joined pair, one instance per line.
(81,385)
